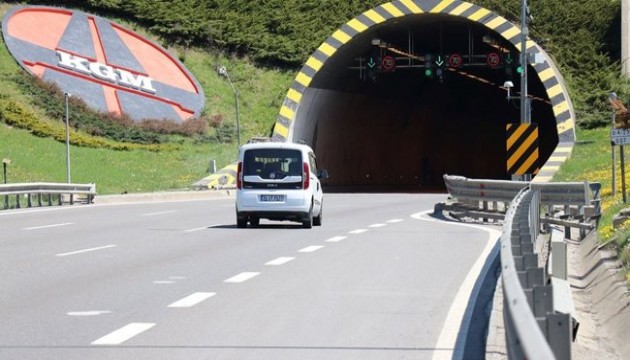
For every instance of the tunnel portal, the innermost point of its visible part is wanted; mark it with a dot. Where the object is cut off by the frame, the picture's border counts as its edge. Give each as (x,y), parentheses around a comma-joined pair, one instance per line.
(410,98)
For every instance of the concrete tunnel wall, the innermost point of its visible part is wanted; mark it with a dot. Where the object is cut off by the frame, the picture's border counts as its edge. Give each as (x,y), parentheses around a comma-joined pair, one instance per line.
(381,140)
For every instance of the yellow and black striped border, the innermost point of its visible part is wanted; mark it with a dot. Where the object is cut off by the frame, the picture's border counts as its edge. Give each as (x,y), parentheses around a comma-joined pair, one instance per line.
(546,71)
(224,177)
(522,149)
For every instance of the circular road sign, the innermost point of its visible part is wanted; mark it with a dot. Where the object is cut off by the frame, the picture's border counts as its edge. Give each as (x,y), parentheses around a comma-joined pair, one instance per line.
(455,60)
(388,63)
(493,59)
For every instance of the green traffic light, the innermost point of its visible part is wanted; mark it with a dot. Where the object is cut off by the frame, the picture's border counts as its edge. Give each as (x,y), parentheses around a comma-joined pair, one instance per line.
(428,72)
(519,69)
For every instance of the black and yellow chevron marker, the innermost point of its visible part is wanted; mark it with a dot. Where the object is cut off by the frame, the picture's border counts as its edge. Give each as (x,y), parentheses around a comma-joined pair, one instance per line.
(224,177)
(522,149)
(548,74)
(557,158)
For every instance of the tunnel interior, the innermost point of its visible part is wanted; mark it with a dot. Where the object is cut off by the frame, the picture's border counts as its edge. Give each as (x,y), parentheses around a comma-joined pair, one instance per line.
(400,129)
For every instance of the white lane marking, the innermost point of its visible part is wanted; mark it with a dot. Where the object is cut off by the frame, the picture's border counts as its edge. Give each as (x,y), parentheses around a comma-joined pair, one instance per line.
(198,229)
(310,249)
(393,221)
(336,239)
(160,213)
(280,261)
(455,318)
(192,300)
(86,250)
(377,225)
(88,313)
(47,226)
(177,277)
(357,231)
(242,277)
(123,334)
(163,282)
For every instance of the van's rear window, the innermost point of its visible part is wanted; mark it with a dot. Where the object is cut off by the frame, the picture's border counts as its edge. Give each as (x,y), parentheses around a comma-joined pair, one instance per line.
(272,163)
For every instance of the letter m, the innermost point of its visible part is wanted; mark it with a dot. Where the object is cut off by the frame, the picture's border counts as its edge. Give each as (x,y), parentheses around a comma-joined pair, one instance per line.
(138,82)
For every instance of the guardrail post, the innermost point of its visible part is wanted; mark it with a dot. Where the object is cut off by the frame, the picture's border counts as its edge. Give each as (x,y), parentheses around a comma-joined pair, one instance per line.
(29,201)
(49,199)
(39,199)
(59,198)
(567,229)
(17,200)
(559,335)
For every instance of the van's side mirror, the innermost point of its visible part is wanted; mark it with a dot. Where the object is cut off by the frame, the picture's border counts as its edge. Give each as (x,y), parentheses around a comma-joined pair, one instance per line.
(323,174)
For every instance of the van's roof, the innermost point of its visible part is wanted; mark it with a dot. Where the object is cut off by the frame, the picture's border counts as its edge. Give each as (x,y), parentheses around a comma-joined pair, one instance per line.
(276,145)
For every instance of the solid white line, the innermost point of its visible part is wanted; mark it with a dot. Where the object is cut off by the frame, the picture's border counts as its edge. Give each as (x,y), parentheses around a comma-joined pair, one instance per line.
(242,277)
(336,239)
(377,225)
(199,229)
(86,250)
(123,334)
(310,249)
(393,221)
(192,300)
(160,213)
(357,231)
(47,226)
(455,317)
(280,261)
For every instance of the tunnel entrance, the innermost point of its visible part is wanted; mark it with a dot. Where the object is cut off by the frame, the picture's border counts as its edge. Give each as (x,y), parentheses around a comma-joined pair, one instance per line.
(408,100)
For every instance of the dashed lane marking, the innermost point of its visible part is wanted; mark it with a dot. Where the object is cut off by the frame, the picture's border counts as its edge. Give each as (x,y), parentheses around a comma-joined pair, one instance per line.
(394,221)
(310,249)
(47,226)
(280,261)
(336,239)
(242,277)
(377,225)
(357,231)
(123,334)
(88,313)
(86,250)
(192,300)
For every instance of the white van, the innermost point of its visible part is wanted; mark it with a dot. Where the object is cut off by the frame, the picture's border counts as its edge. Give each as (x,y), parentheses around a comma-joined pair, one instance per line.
(278,181)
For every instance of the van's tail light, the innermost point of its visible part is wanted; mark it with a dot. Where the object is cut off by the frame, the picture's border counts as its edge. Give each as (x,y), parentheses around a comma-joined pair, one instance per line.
(306,177)
(239,176)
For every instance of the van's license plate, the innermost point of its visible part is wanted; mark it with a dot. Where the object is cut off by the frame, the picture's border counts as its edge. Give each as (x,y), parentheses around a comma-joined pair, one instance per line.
(272,198)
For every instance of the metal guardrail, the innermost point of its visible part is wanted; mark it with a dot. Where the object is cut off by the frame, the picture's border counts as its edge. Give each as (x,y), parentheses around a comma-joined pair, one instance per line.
(535,328)
(581,200)
(45,192)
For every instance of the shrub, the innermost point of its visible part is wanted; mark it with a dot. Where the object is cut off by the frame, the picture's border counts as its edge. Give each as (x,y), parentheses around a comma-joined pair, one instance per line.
(14,114)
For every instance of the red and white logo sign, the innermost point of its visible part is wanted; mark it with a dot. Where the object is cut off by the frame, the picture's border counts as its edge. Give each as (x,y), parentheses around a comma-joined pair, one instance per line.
(111,68)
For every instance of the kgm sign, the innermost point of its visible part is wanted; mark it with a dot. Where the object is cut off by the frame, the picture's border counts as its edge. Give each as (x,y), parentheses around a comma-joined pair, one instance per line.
(108,66)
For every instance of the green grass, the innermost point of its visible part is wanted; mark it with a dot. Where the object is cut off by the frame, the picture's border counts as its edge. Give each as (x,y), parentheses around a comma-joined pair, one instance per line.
(34,160)
(592,161)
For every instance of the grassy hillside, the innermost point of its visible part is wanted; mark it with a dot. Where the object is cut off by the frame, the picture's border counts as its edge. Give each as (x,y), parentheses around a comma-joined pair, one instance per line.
(178,165)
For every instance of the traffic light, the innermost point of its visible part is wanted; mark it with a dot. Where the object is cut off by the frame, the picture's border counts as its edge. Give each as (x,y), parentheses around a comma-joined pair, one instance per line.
(428,65)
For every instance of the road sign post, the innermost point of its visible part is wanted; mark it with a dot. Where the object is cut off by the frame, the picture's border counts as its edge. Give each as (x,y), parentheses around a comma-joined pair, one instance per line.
(620,137)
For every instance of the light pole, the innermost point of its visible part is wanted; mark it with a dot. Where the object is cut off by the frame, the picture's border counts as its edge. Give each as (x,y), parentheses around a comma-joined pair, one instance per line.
(66,95)
(221,70)
(525,113)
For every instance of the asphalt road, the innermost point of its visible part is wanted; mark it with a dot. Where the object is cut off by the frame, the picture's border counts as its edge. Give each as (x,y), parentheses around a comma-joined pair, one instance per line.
(178,280)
